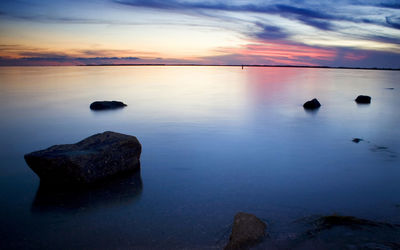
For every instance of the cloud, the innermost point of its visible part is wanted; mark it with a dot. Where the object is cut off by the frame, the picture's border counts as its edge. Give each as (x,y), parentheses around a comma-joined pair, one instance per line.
(390,5)
(384,39)
(73,20)
(15,54)
(270,32)
(323,25)
(290,53)
(302,12)
(307,16)
(280,53)
(393,21)
(56,60)
(266,53)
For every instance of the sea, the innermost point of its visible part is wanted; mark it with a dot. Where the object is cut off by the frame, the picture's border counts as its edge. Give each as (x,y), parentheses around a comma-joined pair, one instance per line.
(216,140)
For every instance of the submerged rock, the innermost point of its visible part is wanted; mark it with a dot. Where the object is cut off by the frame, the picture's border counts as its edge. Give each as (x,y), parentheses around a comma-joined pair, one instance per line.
(95,158)
(247,230)
(331,221)
(364,99)
(313,104)
(104,105)
(356,140)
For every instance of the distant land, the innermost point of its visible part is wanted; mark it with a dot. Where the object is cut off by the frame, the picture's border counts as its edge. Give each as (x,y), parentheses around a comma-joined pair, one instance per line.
(244,65)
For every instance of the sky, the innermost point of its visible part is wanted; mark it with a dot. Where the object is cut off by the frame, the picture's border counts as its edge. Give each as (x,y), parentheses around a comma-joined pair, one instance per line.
(344,33)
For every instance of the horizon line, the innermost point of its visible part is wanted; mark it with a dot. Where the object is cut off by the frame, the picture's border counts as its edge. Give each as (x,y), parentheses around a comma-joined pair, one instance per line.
(212,65)
(239,65)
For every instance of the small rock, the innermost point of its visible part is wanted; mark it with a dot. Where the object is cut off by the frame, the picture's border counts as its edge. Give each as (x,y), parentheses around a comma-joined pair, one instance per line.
(356,140)
(95,158)
(247,230)
(313,104)
(104,105)
(363,99)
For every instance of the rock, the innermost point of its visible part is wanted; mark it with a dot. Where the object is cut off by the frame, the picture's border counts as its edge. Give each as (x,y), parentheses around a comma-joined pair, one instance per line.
(313,104)
(247,230)
(95,158)
(104,105)
(331,221)
(364,99)
(356,140)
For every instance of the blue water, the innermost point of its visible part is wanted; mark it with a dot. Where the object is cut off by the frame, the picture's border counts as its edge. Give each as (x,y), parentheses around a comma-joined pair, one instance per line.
(216,141)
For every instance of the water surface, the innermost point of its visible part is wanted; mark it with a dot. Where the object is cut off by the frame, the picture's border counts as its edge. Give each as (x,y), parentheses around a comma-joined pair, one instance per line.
(216,141)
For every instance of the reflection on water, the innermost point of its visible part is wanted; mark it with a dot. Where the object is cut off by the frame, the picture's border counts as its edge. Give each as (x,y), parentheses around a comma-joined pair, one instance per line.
(216,140)
(116,192)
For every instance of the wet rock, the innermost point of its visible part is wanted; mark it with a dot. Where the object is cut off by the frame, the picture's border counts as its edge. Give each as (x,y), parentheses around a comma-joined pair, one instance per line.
(104,105)
(95,158)
(331,221)
(356,140)
(363,99)
(247,230)
(313,104)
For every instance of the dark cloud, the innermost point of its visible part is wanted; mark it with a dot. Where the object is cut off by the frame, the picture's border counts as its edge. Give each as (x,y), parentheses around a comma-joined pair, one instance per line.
(323,25)
(393,21)
(270,32)
(56,59)
(302,12)
(310,17)
(390,5)
(319,18)
(384,39)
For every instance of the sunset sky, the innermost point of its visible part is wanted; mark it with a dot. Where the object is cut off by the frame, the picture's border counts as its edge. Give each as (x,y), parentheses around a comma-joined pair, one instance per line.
(351,33)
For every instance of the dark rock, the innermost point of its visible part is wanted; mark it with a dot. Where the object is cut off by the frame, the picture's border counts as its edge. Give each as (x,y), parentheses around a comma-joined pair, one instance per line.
(247,230)
(356,140)
(364,99)
(104,105)
(331,221)
(95,158)
(313,104)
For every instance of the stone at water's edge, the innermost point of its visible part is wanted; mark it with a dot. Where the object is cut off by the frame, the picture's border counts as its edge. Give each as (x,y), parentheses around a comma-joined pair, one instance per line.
(313,104)
(104,105)
(364,99)
(95,158)
(247,230)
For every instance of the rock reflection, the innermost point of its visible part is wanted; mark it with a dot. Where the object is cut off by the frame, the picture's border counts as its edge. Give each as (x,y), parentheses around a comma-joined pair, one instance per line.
(118,191)
(311,111)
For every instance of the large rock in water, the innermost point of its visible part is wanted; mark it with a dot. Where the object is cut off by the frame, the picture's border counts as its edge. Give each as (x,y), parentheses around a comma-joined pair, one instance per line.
(247,230)
(95,158)
(364,99)
(104,105)
(313,104)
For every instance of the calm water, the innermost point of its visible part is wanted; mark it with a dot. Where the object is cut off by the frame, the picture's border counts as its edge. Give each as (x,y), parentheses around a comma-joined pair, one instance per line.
(216,140)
